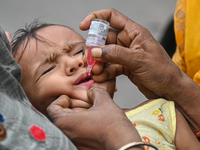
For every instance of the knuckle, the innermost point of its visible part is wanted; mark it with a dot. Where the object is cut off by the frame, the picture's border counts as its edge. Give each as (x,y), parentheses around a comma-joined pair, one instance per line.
(112,9)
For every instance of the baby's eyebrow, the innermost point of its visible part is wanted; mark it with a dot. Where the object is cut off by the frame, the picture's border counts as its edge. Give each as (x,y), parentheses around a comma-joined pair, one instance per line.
(69,46)
(51,57)
(74,44)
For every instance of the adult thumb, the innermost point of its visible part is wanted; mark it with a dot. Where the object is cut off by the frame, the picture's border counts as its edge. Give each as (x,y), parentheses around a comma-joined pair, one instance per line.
(99,97)
(114,54)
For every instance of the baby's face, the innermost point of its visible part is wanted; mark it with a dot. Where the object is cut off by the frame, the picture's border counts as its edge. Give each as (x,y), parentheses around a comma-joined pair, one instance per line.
(54,68)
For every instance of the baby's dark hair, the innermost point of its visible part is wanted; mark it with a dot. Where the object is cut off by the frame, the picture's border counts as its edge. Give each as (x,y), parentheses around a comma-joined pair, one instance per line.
(23,35)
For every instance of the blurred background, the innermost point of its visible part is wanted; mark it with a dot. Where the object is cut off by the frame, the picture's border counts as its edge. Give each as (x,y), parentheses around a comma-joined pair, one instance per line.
(155,15)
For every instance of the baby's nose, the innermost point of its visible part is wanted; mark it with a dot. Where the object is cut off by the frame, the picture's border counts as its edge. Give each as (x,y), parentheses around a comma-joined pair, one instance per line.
(73,66)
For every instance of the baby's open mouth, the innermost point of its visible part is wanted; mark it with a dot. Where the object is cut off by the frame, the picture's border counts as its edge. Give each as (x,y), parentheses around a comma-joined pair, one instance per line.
(84,80)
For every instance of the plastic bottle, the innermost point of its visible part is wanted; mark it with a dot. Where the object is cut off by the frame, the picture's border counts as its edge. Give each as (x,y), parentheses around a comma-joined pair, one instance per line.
(96,37)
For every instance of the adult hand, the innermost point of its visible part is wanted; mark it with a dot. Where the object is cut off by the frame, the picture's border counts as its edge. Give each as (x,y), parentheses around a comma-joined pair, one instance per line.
(140,56)
(103,126)
(135,53)
(109,86)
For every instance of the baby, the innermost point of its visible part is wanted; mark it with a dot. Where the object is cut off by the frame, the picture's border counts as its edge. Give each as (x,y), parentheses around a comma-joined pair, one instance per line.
(51,58)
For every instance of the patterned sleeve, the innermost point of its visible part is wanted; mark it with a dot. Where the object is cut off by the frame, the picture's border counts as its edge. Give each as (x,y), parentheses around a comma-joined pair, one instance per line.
(21,126)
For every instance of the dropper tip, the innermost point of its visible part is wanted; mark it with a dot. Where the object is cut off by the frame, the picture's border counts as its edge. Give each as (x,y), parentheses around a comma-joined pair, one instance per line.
(89,70)
(89,74)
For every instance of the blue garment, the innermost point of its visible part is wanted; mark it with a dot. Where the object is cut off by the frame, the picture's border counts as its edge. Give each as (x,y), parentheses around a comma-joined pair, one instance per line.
(17,115)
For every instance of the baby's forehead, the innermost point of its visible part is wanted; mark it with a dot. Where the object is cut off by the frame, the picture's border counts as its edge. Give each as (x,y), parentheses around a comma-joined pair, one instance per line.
(57,33)
(55,28)
(48,36)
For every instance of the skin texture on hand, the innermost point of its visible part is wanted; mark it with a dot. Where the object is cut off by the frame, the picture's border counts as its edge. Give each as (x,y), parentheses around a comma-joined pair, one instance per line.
(135,53)
(103,126)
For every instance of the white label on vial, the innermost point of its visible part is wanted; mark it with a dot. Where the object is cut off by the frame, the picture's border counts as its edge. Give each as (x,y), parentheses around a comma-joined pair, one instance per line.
(98,29)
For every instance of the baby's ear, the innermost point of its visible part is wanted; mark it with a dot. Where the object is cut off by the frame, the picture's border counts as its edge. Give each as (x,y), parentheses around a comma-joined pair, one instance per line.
(9,37)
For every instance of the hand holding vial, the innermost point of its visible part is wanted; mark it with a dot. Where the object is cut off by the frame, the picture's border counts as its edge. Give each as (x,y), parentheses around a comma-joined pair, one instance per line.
(96,37)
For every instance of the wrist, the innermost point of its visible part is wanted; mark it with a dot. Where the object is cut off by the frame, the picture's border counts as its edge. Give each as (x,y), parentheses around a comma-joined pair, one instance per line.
(176,86)
(186,95)
(119,134)
(137,144)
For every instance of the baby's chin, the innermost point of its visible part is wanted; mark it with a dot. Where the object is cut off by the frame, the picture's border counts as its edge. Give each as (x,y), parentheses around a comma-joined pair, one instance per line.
(80,104)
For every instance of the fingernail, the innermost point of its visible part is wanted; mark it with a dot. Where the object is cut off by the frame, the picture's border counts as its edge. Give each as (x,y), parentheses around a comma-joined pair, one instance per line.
(96,52)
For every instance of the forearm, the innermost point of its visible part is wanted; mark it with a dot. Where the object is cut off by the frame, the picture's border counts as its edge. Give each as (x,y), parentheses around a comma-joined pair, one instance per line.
(186,95)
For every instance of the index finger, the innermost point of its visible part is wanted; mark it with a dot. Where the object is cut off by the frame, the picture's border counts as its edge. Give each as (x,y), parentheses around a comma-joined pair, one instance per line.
(117,20)
(127,30)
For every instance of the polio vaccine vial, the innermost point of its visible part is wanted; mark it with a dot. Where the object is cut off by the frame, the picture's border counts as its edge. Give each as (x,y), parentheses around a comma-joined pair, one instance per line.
(96,37)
